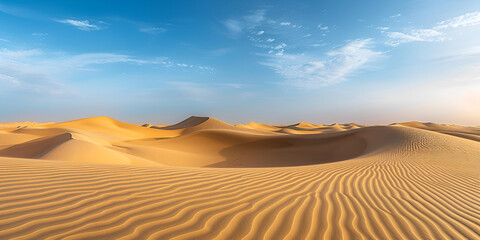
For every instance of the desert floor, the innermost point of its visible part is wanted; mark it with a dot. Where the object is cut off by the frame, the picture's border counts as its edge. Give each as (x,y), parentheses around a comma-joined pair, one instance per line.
(98,178)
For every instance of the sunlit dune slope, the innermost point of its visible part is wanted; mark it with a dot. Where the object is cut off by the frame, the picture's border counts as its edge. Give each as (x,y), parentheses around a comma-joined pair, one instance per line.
(208,142)
(99,178)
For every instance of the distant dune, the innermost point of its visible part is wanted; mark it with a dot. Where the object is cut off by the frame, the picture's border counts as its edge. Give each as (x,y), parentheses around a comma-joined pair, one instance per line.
(99,178)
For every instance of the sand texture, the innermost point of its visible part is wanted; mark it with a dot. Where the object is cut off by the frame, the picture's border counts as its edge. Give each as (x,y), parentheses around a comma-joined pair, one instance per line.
(99,178)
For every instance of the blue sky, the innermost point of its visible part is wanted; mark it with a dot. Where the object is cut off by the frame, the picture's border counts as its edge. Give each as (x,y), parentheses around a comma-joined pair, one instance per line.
(267,61)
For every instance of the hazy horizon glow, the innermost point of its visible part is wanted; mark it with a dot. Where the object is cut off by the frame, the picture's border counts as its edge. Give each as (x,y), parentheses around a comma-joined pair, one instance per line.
(372,62)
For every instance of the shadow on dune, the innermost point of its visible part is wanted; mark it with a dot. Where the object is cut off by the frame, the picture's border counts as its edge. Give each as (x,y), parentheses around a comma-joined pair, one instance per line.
(36,147)
(283,151)
(203,142)
(187,123)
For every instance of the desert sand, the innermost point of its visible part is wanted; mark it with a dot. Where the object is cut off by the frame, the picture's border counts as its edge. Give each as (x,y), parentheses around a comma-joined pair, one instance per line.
(99,178)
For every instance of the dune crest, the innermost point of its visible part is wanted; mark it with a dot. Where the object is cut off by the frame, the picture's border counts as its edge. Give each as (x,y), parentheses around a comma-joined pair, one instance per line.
(202,178)
(208,142)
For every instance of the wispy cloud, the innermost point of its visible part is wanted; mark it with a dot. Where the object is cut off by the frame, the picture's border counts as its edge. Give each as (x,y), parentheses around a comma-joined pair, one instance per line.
(40,35)
(415,35)
(20,53)
(23,70)
(84,25)
(152,30)
(9,79)
(233,85)
(286,47)
(219,52)
(436,33)
(249,21)
(20,12)
(280,46)
(44,71)
(469,19)
(470,55)
(322,27)
(233,25)
(86,59)
(263,31)
(206,68)
(309,71)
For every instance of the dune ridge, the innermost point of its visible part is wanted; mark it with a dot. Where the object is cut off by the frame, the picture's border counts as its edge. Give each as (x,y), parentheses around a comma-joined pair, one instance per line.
(99,178)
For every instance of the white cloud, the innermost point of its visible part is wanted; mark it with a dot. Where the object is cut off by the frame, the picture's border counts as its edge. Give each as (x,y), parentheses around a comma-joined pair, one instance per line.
(233,25)
(307,71)
(352,57)
(321,27)
(152,30)
(249,21)
(84,25)
(383,28)
(219,52)
(183,65)
(20,53)
(255,17)
(39,71)
(233,85)
(470,55)
(205,68)
(416,35)
(304,69)
(280,46)
(31,76)
(271,21)
(85,60)
(436,33)
(396,15)
(9,79)
(102,58)
(469,19)
(40,34)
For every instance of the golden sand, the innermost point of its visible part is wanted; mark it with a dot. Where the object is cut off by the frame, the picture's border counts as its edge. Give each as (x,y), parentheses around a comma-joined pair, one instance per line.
(202,178)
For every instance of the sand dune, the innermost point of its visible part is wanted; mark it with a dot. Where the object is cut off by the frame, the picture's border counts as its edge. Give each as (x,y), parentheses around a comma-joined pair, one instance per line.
(99,178)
